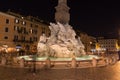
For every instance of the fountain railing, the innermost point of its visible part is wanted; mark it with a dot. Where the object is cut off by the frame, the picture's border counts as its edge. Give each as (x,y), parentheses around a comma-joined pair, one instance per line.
(74,62)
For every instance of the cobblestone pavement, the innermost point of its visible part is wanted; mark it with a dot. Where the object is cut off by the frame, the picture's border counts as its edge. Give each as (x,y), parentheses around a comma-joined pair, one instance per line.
(111,72)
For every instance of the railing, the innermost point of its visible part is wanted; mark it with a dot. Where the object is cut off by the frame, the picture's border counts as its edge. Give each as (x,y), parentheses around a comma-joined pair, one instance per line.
(72,63)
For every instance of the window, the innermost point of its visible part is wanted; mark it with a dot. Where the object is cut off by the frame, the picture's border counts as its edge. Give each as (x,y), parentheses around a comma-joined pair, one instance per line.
(5,37)
(43,32)
(15,37)
(36,26)
(49,34)
(35,31)
(16,21)
(35,38)
(16,28)
(6,29)
(7,21)
(24,23)
(31,25)
(24,30)
(23,38)
(30,39)
(31,31)
(22,17)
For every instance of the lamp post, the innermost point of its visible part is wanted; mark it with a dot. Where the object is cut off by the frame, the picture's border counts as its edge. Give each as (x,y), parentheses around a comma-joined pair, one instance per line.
(91,47)
(34,58)
(5,48)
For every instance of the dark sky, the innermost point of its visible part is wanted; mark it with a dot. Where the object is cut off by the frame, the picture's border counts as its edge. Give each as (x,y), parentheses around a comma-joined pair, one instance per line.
(97,18)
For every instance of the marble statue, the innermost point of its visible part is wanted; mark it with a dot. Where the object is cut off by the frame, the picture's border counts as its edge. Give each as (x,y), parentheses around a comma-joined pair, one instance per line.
(61,43)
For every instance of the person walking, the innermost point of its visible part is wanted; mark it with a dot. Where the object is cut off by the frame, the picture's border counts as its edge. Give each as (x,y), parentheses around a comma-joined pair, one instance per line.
(119,54)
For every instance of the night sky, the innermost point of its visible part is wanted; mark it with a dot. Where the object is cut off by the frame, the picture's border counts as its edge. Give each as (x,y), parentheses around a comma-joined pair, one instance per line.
(96,18)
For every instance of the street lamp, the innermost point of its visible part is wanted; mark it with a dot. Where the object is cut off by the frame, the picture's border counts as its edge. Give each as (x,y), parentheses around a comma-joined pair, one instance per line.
(34,58)
(18,47)
(5,47)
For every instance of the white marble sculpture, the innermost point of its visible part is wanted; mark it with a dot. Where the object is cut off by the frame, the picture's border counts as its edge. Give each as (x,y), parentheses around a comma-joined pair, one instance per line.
(61,43)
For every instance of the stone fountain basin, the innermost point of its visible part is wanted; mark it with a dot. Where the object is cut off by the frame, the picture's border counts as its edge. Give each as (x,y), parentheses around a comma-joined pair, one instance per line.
(34,58)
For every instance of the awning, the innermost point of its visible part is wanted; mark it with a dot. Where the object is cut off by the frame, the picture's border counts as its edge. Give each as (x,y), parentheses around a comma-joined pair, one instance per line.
(18,46)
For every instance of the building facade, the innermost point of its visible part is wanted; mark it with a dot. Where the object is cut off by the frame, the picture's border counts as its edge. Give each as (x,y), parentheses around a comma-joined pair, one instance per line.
(20,31)
(88,41)
(108,44)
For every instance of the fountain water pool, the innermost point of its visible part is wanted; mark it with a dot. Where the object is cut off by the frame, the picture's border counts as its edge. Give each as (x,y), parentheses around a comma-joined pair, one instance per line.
(62,46)
(34,58)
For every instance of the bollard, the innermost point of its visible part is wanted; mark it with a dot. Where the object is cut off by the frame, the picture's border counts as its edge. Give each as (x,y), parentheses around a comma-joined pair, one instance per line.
(22,63)
(73,63)
(94,62)
(48,63)
(15,61)
(3,61)
(103,60)
(107,61)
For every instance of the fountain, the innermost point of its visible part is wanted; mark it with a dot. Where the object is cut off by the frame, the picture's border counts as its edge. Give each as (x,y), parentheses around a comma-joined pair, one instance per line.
(61,44)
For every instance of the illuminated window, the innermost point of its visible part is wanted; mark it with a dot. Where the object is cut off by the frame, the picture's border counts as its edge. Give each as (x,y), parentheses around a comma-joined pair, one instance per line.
(16,28)
(22,17)
(16,21)
(31,30)
(24,23)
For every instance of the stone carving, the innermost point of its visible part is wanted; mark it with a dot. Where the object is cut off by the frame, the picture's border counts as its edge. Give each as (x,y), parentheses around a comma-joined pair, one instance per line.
(61,43)
(62,12)
(62,1)
(43,38)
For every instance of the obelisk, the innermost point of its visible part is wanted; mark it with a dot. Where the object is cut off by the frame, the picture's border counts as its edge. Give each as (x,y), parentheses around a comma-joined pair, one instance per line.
(62,14)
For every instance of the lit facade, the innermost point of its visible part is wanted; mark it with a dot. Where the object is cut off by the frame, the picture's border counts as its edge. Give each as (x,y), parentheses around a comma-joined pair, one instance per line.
(88,41)
(108,44)
(16,30)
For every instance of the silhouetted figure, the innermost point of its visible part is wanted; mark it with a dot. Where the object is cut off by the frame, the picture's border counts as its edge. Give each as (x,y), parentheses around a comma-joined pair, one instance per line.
(119,54)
